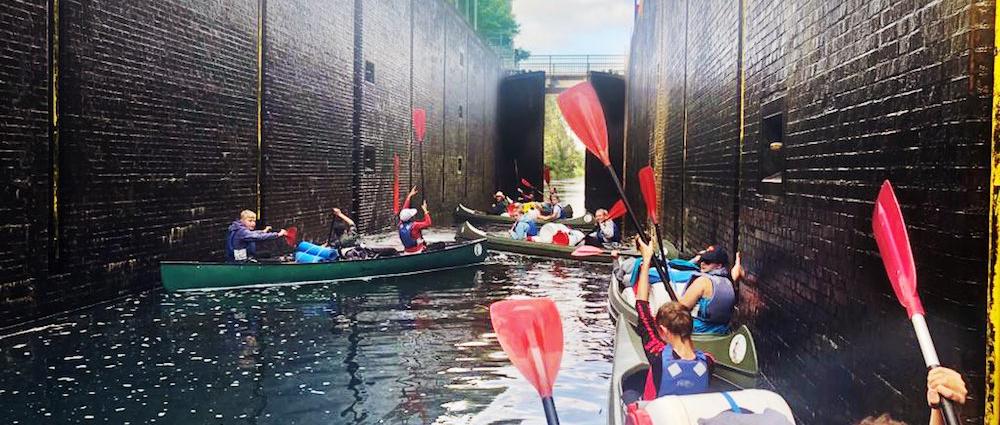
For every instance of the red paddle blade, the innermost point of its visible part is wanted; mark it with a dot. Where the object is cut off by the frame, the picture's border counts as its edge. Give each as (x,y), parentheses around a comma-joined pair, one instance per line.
(617,210)
(395,184)
(530,332)
(583,113)
(647,182)
(547,174)
(291,235)
(419,123)
(894,245)
(586,251)
(527,184)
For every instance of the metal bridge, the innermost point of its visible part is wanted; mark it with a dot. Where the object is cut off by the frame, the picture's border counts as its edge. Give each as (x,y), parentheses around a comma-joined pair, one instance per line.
(563,71)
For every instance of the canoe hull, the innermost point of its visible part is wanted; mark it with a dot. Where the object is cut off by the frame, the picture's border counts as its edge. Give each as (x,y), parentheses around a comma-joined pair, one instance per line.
(474,216)
(537,249)
(186,276)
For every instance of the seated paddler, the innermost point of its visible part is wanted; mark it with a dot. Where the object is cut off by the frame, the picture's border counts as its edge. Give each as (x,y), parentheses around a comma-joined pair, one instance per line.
(676,367)
(713,292)
(606,230)
(553,210)
(500,204)
(524,227)
(241,238)
(343,231)
(410,231)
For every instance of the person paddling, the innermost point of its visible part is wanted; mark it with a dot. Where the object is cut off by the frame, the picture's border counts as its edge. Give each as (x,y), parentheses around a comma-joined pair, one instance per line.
(677,368)
(524,226)
(555,209)
(343,231)
(241,238)
(606,231)
(411,232)
(500,203)
(713,291)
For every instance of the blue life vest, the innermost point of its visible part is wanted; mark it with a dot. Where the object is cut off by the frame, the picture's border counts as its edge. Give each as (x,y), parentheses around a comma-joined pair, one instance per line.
(406,236)
(615,237)
(532,228)
(714,314)
(681,377)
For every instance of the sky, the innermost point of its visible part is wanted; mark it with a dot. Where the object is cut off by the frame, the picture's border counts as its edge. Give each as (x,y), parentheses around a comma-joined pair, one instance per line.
(551,27)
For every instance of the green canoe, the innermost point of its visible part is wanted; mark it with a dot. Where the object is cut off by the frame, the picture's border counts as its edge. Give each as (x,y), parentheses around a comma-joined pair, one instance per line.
(735,355)
(471,215)
(538,249)
(186,275)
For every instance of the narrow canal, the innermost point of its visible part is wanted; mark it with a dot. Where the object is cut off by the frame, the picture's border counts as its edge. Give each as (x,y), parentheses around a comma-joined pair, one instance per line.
(418,350)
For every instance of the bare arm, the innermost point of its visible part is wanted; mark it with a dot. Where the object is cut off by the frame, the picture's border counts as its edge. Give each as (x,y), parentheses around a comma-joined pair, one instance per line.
(642,285)
(694,292)
(406,203)
(340,214)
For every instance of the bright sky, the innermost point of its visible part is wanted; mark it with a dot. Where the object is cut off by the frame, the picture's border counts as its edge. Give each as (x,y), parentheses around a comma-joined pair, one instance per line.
(574,26)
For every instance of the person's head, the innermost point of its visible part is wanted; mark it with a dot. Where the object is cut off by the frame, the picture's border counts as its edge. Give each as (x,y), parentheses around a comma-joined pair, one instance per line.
(601,215)
(518,212)
(713,258)
(249,219)
(883,419)
(498,196)
(553,199)
(673,319)
(407,214)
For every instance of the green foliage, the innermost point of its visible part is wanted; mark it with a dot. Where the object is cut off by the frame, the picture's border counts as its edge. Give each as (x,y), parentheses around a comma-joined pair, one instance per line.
(521,54)
(561,152)
(496,20)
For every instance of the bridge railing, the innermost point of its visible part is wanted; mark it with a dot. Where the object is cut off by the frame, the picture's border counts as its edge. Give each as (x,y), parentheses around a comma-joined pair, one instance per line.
(573,65)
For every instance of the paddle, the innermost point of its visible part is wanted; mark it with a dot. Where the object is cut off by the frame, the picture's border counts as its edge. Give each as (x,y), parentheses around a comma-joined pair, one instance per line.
(647,183)
(587,251)
(419,129)
(530,332)
(547,175)
(291,235)
(617,210)
(894,246)
(395,185)
(527,184)
(583,113)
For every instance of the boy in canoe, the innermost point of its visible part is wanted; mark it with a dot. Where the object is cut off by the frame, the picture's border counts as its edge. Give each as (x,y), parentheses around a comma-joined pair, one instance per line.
(713,291)
(343,231)
(524,226)
(241,239)
(677,368)
(411,232)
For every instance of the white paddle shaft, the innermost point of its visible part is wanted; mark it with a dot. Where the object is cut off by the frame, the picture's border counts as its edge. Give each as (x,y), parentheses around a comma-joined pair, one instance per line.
(925,341)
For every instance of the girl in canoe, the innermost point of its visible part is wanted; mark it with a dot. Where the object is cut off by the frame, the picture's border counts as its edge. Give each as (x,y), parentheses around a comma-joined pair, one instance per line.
(676,367)
(411,232)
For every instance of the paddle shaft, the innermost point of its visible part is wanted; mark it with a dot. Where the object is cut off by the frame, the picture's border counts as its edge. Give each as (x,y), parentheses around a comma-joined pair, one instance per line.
(658,262)
(423,183)
(931,360)
(550,411)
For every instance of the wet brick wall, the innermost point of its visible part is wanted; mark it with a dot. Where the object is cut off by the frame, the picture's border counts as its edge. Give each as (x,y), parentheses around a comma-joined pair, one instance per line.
(857,92)
(156,148)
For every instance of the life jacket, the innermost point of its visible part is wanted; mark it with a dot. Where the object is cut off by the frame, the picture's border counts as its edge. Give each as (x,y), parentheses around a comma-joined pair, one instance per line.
(681,377)
(715,313)
(616,237)
(567,211)
(406,236)
(532,228)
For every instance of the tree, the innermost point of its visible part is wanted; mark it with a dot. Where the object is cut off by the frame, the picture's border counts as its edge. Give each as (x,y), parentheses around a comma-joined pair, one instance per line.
(496,20)
(561,151)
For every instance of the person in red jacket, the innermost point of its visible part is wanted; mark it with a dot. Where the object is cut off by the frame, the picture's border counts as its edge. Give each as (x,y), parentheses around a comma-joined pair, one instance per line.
(411,232)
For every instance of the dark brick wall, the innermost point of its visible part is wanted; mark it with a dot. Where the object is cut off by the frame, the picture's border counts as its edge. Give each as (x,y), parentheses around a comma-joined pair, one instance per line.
(158,129)
(600,189)
(521,126)
(867,91)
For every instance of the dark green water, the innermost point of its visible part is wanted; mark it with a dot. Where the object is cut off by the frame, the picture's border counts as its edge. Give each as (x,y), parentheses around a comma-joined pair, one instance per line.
(397,351)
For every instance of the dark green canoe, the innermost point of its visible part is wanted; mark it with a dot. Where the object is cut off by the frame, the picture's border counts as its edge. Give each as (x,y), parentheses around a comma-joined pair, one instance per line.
(735,355)
(539,249)
(471,215)
(185,275)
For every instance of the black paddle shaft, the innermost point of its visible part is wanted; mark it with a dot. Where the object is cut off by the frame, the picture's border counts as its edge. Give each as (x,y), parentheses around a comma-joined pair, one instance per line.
(658,262)
(550,411)
(947,408)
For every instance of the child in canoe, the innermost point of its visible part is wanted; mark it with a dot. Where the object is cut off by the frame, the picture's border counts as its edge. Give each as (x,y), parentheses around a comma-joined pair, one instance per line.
(241,239)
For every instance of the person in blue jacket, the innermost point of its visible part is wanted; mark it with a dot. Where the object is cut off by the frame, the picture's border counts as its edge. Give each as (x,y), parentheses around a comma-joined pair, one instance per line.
(524,226)
(241,239)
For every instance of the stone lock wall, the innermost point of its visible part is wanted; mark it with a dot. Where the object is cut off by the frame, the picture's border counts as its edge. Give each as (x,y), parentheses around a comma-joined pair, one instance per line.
(135,132)
(856,93)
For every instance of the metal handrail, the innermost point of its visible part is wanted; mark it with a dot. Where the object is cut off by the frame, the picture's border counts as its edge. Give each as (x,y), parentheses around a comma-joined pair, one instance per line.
(573,65)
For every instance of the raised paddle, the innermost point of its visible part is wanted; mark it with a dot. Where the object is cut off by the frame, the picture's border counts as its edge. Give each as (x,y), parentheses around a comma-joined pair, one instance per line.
(547,175)
(530,332)
(527,184)
(894,246)
(647,183)
(617,210)
(419,129)
(583,113)
(395,184)
(291,235)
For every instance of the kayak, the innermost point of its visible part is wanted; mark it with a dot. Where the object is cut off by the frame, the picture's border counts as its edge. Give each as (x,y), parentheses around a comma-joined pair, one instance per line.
(471,215)
(735,356)
(190,275)
(538,249)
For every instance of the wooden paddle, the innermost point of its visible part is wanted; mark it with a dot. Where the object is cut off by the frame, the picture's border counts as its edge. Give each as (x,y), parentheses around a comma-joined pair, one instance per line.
(647,182)
(530,332)
(894,246)
(583,112)
(419,129)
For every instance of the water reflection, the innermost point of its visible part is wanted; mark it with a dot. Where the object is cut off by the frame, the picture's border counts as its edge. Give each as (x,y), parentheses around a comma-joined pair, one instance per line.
(414,350)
